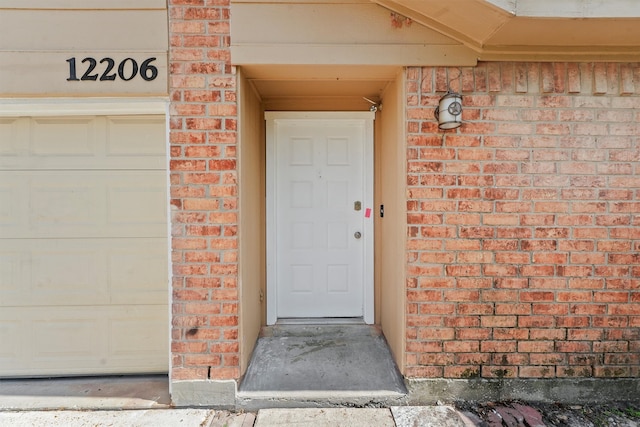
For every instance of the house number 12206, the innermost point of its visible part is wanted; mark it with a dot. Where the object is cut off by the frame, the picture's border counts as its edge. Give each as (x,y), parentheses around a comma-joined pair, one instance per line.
(126,70)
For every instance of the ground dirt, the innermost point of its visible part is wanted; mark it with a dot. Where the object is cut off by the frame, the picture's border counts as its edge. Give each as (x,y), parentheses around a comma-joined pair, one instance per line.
(532,414)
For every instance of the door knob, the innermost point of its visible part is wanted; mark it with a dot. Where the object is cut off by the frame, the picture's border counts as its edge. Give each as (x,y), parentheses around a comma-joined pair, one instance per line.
(357,235)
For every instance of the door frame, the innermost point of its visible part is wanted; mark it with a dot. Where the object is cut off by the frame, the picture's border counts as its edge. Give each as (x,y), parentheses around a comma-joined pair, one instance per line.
(367,119)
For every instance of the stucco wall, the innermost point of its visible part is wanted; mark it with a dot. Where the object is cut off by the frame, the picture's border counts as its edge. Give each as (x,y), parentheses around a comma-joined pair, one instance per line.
(390,235)
(251,155)
(523,223)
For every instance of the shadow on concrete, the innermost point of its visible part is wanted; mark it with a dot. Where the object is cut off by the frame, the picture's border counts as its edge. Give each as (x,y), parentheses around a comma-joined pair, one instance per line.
(111,392)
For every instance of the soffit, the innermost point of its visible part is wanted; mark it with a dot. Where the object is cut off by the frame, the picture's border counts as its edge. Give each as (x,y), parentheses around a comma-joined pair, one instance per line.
(346,86)
(341,50)
(524,29)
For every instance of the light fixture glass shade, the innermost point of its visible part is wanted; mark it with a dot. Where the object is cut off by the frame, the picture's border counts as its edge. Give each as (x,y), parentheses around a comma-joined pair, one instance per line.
(449,111)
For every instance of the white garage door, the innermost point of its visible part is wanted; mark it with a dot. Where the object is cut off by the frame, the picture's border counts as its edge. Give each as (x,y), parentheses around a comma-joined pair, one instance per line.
(83,245)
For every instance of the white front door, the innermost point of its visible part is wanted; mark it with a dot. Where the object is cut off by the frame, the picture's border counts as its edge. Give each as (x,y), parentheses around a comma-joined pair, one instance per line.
(319,215)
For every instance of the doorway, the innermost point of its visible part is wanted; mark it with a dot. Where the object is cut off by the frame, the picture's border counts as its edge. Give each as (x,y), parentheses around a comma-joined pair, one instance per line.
(319,215)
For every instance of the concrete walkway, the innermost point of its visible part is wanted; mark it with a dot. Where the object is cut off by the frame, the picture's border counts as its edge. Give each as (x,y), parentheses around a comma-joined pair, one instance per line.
(431,416)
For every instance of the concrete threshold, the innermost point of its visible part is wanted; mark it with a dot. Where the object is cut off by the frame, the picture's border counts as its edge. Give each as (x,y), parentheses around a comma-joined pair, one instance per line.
(253,401)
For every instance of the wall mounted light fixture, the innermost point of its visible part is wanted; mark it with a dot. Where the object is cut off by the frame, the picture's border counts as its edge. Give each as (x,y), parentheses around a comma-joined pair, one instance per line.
(375,106)
(449,111)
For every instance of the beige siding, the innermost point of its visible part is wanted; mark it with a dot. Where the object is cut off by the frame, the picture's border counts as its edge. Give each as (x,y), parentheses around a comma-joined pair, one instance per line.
(35,45)
(83,4)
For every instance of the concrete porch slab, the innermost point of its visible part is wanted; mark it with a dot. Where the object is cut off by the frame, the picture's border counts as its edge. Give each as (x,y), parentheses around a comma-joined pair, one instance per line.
(321,366)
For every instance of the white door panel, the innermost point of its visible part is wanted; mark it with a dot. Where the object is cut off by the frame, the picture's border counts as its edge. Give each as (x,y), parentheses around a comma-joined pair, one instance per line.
(319,169)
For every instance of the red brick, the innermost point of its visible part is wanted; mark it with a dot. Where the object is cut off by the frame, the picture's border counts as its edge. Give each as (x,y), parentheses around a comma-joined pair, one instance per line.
(536,346)
(460,346)
(588,309)
(547,283)
(489,371)
(610,321)
(436,334)
(575,296)
(551,309)
(537,296)
(536,372)
(577,283)
(498,321)
(602,296)
(499,295)
(463,321)
(500,270)
(474,308)
(610,346)
(536,322)
(461,295)
(425,347)
(514,232)
(463,270)
(489,346)
(474,282)
(513,308)
(435,359)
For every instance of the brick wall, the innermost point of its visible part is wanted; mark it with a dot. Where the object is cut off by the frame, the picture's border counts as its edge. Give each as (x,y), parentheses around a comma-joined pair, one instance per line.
(203,192)
(524,224)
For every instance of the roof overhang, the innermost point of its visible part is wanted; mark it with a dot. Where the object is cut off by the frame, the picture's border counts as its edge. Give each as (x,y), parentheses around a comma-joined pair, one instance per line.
(547,30)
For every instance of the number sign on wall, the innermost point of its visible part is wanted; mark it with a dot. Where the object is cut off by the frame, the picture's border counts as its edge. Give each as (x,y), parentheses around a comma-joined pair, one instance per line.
(107,69)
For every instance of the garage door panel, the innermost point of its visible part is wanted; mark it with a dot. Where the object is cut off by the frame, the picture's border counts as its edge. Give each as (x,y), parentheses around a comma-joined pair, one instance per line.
(12,331)
(49,272)
(71,204)
(84,340)
(9,135)
(12,274)
(137,342)
(136,273)
(63,137)
(81,335)
(83,143)
(83,246)
(13,202)
(136,136)
(137,200)
(63,201)
(70,276)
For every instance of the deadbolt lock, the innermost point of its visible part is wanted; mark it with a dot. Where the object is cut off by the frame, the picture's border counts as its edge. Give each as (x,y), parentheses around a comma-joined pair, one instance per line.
(357,205)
